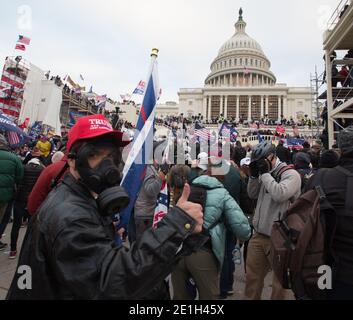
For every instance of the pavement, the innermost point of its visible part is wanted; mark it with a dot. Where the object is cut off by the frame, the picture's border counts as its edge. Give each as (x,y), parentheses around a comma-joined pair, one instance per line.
(8,268)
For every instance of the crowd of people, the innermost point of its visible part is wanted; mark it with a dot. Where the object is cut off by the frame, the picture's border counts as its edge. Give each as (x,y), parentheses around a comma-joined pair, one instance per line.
(243,122)
(68,188)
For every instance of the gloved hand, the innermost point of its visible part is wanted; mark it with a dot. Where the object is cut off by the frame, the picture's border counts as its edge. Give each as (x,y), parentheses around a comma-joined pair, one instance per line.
(254,170)
(264,166)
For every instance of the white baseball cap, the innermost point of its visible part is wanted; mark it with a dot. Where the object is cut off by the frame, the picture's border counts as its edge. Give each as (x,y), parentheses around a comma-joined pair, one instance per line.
(245,162)
(203,161)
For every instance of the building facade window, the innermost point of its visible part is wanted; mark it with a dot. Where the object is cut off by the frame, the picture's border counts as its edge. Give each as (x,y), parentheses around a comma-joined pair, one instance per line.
(273,108)
(256,108)
(243,107)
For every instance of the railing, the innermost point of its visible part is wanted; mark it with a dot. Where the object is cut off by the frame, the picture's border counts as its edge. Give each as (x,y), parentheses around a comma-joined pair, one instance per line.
(338,14)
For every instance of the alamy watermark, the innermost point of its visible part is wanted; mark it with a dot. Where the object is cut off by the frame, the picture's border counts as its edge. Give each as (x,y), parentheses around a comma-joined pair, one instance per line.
(24,281)
(24,18)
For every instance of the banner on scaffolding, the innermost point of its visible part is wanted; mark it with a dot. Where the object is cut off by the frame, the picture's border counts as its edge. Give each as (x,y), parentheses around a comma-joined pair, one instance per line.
(13,79)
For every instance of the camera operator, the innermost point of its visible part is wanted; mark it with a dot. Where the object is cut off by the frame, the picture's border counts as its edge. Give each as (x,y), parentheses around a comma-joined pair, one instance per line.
(70,245)
(274,185)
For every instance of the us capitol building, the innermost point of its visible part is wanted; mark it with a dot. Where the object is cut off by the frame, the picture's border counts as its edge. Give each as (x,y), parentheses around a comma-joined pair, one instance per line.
(242,86)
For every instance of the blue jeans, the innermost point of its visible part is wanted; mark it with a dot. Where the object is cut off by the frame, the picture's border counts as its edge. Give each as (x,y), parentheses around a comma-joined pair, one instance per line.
(227,274)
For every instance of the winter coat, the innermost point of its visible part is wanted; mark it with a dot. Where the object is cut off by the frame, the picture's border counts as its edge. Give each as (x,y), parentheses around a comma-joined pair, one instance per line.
(222,212)
(31,175)
(44,185)
(70,247)
(11,174)
(339,223)
(146,201)
(273,198)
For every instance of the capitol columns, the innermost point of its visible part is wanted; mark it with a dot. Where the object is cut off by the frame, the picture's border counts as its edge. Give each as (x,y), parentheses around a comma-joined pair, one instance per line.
(226,107)
(204,109)
(267,103)
(279,107)
(262,106)
(237,116)
(221,105)
(209,108)
(285,108)
(250,108)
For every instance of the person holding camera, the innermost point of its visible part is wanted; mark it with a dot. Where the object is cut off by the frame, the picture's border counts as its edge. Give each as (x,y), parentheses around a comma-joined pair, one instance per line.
(70,244)
(274,185)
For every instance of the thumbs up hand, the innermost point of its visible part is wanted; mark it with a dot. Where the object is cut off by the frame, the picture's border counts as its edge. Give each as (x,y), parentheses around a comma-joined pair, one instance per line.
(194,210)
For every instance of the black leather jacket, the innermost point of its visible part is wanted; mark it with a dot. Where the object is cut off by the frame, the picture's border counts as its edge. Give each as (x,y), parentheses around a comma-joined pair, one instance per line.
(70,249)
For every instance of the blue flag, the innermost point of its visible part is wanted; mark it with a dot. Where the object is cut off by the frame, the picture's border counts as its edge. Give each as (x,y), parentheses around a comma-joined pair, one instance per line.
(74,116)
(229,132)
(16,136)
(36,129)
(142,147)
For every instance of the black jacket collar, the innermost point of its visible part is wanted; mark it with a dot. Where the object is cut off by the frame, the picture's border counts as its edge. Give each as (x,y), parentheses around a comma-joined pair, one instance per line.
(77,186)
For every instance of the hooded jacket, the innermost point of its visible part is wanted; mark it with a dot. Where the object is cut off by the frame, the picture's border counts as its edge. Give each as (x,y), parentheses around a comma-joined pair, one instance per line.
(222,208)
(273,197)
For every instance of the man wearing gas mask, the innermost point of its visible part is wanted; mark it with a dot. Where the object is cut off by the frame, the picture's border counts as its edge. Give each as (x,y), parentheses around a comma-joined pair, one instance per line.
(69,244)
(274,185)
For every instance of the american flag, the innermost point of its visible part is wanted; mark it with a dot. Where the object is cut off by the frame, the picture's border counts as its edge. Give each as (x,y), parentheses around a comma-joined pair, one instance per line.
(162,205)
(21,47)
(201,132)
(280,130)
(24,40)
(246,70)
(13,138)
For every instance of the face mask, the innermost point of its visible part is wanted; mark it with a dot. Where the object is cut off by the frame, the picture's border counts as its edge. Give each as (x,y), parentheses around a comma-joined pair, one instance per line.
(104,180)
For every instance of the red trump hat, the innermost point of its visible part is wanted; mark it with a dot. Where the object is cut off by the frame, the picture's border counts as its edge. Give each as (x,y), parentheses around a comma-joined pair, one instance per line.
(93,127)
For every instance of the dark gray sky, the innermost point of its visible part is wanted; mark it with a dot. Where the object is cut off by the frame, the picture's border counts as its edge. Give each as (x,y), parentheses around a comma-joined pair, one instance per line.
(109,41)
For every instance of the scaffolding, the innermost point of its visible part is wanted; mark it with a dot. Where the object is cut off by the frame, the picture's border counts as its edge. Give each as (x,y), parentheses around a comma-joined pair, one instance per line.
(339,36)
(316,83)
(12,86)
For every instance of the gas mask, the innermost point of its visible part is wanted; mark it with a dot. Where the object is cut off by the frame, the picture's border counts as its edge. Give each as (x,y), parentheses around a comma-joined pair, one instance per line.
(104,180)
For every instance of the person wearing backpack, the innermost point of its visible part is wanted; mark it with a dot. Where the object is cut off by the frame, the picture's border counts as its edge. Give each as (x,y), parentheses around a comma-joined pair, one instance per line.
(337,184)
(274,185)
(220,212)
(302,165)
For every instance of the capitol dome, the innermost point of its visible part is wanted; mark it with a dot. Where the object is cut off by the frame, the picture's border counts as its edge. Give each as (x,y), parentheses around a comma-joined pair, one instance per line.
(241,62)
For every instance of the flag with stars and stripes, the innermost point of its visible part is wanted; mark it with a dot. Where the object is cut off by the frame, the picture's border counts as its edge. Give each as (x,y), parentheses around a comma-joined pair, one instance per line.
(201,132)
(162,205)
(142,146)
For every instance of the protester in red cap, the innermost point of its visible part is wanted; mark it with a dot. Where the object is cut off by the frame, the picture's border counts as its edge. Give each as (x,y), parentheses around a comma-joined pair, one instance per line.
(70,244)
